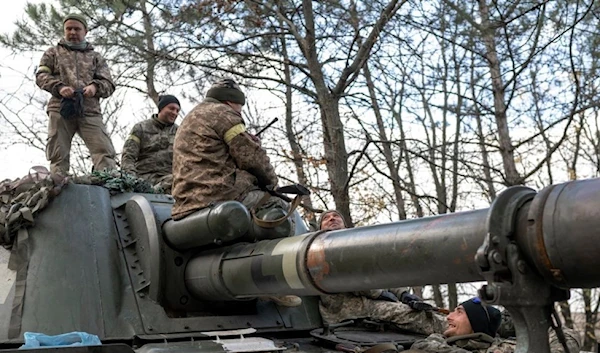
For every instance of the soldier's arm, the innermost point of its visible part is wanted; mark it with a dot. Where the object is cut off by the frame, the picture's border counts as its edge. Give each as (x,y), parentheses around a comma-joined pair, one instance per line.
(102,79)
(46,76)
(248,154)
(131,150)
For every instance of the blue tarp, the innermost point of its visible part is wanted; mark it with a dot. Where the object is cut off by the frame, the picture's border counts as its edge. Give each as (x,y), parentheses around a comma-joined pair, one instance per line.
(36,340)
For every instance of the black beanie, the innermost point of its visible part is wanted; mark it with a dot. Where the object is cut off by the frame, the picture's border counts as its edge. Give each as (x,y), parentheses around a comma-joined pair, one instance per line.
(165,100)
(483,318)
(227,90)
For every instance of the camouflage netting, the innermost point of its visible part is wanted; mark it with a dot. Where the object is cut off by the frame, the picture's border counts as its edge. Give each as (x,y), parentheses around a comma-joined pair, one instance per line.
(22,198)
(118,182)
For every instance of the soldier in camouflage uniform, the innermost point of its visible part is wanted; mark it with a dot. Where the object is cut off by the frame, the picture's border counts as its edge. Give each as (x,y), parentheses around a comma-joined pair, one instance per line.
(73,70)
(148,151)
(395,305)
(215,159)
(572,338)
(472,327)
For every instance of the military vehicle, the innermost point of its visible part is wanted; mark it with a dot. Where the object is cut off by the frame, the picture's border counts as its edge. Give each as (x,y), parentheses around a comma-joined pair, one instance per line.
(118,267)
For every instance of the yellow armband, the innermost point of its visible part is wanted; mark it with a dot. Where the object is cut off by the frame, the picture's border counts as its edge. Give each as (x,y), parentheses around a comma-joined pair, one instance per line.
(233,132)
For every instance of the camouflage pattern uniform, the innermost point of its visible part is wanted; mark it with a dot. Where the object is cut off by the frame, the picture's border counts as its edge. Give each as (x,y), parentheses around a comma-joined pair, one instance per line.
(340,307)
(475,342)
(148,152)
(571,336)
(62,66)
(215,159)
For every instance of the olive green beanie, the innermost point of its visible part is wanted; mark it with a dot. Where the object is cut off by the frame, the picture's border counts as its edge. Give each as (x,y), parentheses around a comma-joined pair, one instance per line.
(227,90)
(76,17)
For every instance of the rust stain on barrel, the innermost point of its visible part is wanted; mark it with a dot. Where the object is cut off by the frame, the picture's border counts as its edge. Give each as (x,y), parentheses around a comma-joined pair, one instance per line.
(316,262)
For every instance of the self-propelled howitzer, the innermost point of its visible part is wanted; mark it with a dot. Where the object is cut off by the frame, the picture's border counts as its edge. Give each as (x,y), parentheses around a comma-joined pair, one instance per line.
(119,268)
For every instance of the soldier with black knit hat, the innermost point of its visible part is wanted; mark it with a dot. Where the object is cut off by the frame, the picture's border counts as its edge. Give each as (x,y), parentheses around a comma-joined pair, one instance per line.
(77,77)
(148,151)
(215,159)
(472,327)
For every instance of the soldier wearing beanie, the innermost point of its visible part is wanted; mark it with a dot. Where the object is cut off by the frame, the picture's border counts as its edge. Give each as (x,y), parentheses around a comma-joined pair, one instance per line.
(331,220)
(148,151)
(472,327)
(215,159)
(77,77)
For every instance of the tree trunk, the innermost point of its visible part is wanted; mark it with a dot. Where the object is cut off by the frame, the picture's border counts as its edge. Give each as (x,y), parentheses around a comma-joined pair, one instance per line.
(512,176)
(291,137)
(386,145)
(150,52)
(589,336)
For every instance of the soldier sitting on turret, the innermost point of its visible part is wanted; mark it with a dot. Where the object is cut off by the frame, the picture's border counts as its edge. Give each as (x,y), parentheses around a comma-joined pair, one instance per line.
(472,327)
(396,305)
(215,159)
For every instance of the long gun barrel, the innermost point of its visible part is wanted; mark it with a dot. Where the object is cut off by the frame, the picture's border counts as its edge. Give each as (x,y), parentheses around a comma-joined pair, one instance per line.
(526,245)
(558,231)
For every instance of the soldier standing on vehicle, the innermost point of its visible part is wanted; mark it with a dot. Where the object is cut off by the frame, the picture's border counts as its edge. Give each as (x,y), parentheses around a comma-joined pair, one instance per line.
(215,159)
(148,151)
(77,77)
(398,306)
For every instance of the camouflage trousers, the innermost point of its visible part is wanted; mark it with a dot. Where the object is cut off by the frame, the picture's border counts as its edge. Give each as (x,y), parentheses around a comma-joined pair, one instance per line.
(339,307)
(92,131)
(272,208)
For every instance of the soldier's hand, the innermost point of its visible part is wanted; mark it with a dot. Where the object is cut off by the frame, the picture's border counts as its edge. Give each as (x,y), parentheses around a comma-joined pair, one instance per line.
(255,139)
(67,91)
(420,306)
(89,90)
(388,296)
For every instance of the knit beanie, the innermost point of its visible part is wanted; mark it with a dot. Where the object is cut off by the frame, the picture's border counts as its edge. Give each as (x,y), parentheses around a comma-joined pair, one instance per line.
(76,17)
(165,100)
(227,90)
(483,318)
(330,211)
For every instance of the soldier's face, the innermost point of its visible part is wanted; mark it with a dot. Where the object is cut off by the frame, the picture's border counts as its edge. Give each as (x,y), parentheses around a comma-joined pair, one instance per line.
(332,221)
(74,31)
(169,113)
(458,323)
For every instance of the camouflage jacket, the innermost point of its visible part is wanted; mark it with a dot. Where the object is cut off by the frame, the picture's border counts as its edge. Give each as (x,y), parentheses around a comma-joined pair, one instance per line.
(148,151)
(573,341)
(346,306)
(476,342)
(62,66)
(215,159)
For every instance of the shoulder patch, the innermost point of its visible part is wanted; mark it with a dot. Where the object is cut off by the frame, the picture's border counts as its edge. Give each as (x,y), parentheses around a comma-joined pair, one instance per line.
(233,132)
(134,138)
(44,69)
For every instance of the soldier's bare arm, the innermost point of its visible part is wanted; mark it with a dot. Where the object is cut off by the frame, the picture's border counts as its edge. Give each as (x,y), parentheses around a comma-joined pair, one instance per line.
(103,80)
(131,150)
(48,79)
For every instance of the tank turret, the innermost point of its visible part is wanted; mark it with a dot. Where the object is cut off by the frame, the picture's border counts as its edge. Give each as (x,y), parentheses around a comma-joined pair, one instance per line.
(118,267)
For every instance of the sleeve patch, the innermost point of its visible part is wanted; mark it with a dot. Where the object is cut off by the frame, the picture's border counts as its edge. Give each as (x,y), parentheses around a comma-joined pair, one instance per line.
(233,132)
(44,69)
(132,137)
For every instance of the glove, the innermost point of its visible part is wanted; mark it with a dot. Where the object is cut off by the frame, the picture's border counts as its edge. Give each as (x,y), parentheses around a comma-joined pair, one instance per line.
(407,298)
(420,306)
(387,296)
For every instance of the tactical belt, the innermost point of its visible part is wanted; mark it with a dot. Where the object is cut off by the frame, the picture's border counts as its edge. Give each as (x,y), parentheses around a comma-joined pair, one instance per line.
(275,222)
